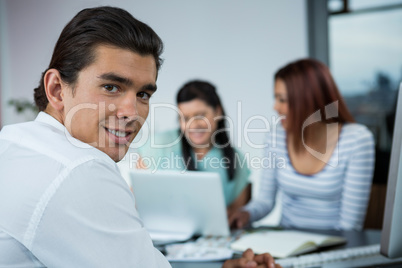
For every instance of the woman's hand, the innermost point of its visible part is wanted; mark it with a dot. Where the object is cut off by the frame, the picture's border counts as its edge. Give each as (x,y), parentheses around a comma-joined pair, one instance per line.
(239,219)
(249,260)
(140,164)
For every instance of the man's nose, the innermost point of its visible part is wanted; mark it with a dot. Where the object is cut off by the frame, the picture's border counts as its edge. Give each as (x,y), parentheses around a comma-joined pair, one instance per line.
(127,107)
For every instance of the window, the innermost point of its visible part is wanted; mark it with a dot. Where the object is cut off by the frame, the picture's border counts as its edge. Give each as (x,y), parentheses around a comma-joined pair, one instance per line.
(365,58)
(361,42)
(345,6)
(365,55)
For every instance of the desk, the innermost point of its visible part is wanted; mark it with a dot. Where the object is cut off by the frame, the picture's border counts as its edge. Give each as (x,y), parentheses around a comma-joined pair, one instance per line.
(354,238)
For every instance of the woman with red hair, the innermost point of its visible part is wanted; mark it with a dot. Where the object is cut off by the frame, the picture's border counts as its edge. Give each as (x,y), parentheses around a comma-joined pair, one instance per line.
(328,158)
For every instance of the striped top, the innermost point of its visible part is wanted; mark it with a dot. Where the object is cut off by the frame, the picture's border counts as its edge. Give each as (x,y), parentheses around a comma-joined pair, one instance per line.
(334,198)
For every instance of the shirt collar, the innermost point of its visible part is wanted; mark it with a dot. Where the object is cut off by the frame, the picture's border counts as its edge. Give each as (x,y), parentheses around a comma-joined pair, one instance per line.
(46,118)
(50,120)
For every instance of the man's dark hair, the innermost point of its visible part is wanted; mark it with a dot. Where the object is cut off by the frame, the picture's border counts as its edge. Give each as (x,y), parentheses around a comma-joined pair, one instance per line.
(75,48)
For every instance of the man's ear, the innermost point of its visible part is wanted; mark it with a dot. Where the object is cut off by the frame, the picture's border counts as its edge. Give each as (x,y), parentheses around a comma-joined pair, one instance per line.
(54,89)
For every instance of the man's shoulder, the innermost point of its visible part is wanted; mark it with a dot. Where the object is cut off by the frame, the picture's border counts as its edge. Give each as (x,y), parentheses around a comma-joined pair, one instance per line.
(47,141)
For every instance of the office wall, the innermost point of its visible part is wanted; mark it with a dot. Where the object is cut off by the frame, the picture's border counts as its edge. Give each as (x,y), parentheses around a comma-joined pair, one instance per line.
(235,44)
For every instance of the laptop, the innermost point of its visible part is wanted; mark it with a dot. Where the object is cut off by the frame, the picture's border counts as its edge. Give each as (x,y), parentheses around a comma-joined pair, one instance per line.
(176,205)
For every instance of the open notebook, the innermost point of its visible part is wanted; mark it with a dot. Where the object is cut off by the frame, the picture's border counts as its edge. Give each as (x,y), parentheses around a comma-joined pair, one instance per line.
(286,243)
(176,205)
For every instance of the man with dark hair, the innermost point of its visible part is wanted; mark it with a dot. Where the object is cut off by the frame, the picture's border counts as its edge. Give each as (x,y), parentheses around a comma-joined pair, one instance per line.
(63,200)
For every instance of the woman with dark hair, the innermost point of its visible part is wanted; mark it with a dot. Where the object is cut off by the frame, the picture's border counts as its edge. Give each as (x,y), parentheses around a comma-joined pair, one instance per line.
(202,143)
(329,159)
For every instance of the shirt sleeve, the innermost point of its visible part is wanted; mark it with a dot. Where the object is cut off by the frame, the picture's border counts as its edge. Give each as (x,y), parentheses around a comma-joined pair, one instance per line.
(91,221)
(260,206)
(358,180)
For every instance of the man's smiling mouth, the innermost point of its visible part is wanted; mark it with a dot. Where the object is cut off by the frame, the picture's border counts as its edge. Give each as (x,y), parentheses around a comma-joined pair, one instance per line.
(118,133)
(119,136)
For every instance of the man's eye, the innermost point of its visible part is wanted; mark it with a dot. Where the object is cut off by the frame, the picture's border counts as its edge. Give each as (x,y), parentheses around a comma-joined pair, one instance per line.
(110,88)
(144,95)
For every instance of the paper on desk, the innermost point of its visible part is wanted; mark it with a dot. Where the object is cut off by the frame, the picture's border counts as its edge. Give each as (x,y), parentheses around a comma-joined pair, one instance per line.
(282,244)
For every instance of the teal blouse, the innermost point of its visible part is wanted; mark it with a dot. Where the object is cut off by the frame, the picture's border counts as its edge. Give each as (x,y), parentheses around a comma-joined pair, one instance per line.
(163,151)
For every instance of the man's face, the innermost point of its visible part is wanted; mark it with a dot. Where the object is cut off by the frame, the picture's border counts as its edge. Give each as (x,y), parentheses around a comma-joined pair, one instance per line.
(110,101)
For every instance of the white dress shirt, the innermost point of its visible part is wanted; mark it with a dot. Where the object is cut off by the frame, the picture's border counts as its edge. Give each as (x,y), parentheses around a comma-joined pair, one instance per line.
(64,203)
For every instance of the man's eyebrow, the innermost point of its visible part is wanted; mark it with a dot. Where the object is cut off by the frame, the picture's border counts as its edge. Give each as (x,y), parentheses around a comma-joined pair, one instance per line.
(128,82)
(149,87)
(116,78)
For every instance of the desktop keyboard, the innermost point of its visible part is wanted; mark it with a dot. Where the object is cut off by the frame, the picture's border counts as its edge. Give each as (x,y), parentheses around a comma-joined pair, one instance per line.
(362,256)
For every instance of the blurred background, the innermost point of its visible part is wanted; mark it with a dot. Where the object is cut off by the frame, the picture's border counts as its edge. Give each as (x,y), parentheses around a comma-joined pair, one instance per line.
(236,45)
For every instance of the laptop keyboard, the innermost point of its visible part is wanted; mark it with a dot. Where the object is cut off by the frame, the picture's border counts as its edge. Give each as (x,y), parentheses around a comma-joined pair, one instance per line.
(214,241)
(198,251)
(205,248)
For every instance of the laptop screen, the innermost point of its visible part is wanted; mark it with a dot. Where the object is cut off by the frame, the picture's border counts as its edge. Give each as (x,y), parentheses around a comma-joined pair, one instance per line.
(177,205)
